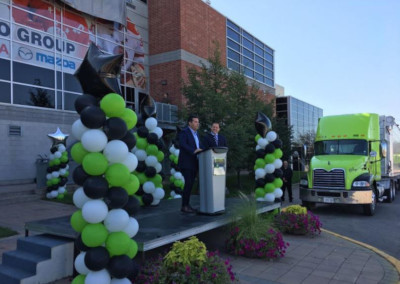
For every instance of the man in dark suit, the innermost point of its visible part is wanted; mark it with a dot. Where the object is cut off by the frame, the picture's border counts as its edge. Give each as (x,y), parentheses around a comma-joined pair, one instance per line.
(213,139)
(287,181)
(190,145)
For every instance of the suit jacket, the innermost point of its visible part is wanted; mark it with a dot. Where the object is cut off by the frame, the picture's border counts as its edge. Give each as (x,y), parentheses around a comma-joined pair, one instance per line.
(187,145)
(287,174)
(210,141)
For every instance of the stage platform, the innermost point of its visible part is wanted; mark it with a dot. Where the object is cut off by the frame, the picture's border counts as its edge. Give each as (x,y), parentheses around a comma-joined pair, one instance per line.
(158,225)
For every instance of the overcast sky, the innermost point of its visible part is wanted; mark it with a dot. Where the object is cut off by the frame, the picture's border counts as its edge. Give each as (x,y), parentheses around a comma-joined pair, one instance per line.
(342,56)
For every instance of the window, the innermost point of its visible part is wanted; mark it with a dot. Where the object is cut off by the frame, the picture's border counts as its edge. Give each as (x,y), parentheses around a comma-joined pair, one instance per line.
(5,94)
(233,26)
(248,53)
(30,74)
(233,35)
(248,44)
(33,96)
(259,69)
(247,35)
(233,45)
(234,66)
(248,63)
(233,55)
(248,72)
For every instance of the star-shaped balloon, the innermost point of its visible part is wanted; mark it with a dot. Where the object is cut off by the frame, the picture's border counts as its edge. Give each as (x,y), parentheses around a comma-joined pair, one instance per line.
(148,107)
(99,72)
(58,137)
(262,124)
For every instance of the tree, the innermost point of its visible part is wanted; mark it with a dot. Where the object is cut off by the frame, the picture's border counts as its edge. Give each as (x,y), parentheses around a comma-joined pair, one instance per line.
(285,133)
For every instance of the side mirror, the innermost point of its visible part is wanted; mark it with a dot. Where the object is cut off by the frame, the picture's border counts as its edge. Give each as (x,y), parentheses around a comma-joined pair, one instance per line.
(383,148)
(305,150)
(372,154)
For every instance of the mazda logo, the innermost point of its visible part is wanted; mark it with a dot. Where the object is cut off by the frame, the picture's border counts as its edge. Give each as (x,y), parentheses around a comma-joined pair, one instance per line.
(25,53)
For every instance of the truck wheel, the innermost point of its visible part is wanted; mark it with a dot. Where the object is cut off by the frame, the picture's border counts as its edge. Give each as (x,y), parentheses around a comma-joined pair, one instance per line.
(369,209)
(309,205)
(391,192)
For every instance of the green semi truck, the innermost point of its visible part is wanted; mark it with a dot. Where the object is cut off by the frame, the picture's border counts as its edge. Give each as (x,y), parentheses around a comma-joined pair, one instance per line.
(356,161)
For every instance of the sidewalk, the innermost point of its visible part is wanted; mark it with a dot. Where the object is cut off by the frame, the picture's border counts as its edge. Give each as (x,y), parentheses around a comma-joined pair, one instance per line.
(321,259)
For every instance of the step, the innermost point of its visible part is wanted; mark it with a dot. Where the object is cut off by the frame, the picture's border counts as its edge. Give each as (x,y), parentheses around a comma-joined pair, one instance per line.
(18,199)
(27,260)
(40,244)
(12,275)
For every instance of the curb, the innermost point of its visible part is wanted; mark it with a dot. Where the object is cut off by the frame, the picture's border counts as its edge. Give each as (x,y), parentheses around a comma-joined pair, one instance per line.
(394,261)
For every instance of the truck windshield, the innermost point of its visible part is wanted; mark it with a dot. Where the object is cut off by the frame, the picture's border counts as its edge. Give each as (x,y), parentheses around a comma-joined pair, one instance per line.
(341,147)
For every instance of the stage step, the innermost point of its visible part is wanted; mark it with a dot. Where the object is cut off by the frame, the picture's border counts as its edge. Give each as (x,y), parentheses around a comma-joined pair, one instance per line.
(16,193)
(38,259)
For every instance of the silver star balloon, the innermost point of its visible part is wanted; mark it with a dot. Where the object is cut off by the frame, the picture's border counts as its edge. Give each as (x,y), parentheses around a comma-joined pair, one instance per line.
(58,137)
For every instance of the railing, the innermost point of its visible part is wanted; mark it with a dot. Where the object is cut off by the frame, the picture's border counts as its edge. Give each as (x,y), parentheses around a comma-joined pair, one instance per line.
(167,113)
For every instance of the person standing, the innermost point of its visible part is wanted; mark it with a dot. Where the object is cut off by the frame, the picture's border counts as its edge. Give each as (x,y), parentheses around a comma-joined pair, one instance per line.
(214,139)
(190,145)
(287,181)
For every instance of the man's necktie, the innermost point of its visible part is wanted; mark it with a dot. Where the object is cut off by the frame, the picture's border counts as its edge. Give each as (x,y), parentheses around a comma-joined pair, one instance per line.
(216,139)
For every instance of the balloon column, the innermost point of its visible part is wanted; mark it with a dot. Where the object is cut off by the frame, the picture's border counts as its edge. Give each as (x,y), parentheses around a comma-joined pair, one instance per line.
(57,172)
(177,181)
(268,173)
(105,201)
(149,154)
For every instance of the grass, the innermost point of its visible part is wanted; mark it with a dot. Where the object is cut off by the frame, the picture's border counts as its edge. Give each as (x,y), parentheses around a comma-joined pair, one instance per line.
(6,232)
(66,200)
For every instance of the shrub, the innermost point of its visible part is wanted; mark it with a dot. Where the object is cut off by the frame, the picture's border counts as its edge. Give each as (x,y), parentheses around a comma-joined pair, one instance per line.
(296,219)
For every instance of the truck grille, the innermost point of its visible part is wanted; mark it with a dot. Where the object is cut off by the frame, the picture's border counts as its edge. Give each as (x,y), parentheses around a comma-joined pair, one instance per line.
(331,179)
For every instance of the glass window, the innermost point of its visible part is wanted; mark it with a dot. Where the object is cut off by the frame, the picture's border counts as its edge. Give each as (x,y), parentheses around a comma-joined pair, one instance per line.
(69,100)
(248,53)
(258,51)
(33,96)
(233,26)
(71,83)
(259,43)
(248,63)
(5,69)
(29,74)
(269,50)
(248,72)
(268,81)
(268,73)
(233,65)
(268,57)
(233,35)
(259,60)
(259,69)
(5,94)
(246,34)
(259,77)
(233,55)
(233,45)
(248,44)
(269,65)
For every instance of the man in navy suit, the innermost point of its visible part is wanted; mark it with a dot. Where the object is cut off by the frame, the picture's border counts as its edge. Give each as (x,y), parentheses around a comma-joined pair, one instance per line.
(190,145)
(213,139)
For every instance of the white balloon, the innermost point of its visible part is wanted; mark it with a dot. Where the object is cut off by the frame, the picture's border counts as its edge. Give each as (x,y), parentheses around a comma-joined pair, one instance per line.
(278,192)
(116,151)
(80,265)
(55,174)
(278,163)
(94,140)
(130,162)
(155,202)
(173,171)
(262,142)
(158,131)
(48,195)
(151,123)
(134,150)
(176,196)
(176,153)
(61,148)
(259,173)
(61,190)
(151,161)
(149,187)
(49,176)
(120,281)
(260,199)
(141,155)
(172,149)
(258,147)
(158,168)
(63,171)
(269,197)
(98,277)
(172,193)
(80,198)
(269,168)
(67,167)
(51,157)
(159,193)
(132,227)
(54,193)
(78,129)
(271,136)
(94,211)
(178,175)
(57,154)
(116,220)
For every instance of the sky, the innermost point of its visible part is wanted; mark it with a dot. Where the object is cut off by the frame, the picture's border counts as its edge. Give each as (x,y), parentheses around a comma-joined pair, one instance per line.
(340,55)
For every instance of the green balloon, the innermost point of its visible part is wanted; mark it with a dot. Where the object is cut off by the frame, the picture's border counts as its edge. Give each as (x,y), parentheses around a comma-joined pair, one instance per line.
(141,143)
(269,158)
(160,156)
(117,174)
(49,183)
(51,163)
(151,150)
(132,249)
(77,221)
(278,183)
(132,185)
(80,279)
(176,159)
(269,187)
(157,180)
(278,153)
(64,159)
(260,163)
(171,179)
(55,181)
(260,192)
(117,243)
(66,174)
(130,118)
(142,178)
(94,235)
(60,196)
(178,183)
(138,197)
(258,136)
(95,164)
(113,105)
(57,162)
(171,157)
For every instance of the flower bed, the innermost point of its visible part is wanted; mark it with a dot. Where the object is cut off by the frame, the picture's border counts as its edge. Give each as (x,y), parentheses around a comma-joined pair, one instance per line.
(297,220)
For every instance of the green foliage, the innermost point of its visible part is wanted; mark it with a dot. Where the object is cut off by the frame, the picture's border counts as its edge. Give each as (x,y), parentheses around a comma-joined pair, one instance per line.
(6,232)
(295,209)
(285,134)
(190,252)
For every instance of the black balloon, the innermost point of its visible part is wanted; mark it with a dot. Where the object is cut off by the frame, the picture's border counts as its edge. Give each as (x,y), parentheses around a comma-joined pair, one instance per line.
(53,149)
(64,165)
(143,131)
(79,175)
(83,101)
(98,73)
(93,117)
(152,138)
(56,168)
(135,268)
(132,206)
(140,191)
(50,170)
(49,188)
(95,187)
(269,178)
(115,128)
(260,153)
(260,182)
(160,144)
(148,107)
(63,181)
(130,140)
(176,144)
(150,172)
(97,258)
(116,197)
(141,167)
(278,173)
(270,148)
(80,245)
(262,124)
(278,143)
(120,266)
(147,199)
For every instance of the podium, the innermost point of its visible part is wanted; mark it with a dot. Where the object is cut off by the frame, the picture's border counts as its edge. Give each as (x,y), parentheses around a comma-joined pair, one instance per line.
(212,180)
